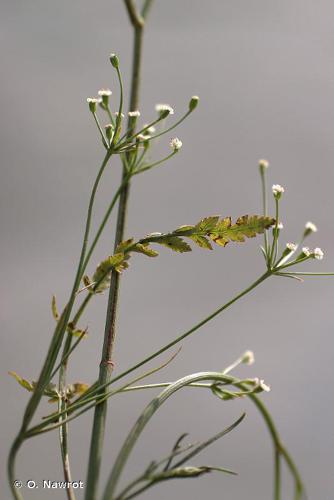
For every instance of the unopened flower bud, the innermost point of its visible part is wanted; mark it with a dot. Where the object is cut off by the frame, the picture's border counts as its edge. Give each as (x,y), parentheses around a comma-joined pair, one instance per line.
(310,228)
(114,60)
(263,165)
(109,131)
(248,358)
(193,102)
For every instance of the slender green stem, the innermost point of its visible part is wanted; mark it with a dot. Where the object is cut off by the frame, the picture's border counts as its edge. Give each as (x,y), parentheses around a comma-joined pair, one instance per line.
(146,7)
(264,206)
(106,365)
(277,475)
(309,274)
(105,144)
(63,438)
(155,404)
(155,164)
(275,238)
(96,388)
(39,429)
(57,337)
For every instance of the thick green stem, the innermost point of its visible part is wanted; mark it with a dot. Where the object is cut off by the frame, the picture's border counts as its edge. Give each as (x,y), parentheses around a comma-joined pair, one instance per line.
(106,364)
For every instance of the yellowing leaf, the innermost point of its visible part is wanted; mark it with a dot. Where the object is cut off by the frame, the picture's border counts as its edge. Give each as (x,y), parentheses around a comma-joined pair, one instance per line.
(207,224)
(76,332)
(175,243)
(145,249)
(245,227)
(201,241)
(24,383)
(54,308)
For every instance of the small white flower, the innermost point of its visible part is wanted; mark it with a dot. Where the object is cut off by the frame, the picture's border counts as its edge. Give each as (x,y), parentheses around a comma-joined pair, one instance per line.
(306,251)
(117,113)
(176,144)
(318,254)
(149,130)
(264,386)
(164,107)
(134,114)
(260,385)
(248,358)
(104,92)
(309,226)
(92,102)
(280,225)
(263,164)
(292,247)
(142,137)
(277,190)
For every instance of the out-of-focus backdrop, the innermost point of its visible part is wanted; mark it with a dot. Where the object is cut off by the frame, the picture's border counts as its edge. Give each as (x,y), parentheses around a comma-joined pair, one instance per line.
(265,75)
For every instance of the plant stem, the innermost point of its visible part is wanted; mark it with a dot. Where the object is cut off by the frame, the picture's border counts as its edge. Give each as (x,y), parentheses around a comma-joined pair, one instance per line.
(63,438)
(96,388)
(56,340)
(106,365)
(154,405)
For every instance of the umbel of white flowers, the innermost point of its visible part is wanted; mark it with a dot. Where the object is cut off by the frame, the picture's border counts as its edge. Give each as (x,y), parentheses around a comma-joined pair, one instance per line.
(277,190)
(176,144)
(164,107)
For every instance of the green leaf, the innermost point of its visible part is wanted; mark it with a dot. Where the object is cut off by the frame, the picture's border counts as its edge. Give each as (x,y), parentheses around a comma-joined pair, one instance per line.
(183,229)
(123,245)
(247,226)
(24,383)
(103,270)
(186,472)
(201,241)
(145,249)
(76,332)
(175,243)
(207,224)
(54,308)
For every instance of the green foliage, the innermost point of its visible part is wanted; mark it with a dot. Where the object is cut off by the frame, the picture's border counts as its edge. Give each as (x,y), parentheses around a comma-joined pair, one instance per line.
(220,231)
(54,308)
(23,382)
(76,389)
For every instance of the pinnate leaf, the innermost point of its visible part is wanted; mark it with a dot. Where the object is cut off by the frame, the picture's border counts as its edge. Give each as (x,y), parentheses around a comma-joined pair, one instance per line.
(175,243)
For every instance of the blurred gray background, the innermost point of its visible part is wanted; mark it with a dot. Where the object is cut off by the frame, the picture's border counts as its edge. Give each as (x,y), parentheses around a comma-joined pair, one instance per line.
(265,75)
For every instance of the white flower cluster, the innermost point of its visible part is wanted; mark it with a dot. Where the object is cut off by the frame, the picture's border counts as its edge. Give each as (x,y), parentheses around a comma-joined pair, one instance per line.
(309,226)
(317,253)
(104,92)
(292,247)
(261,385)
(164,107)
(277,190)
(134,114)
(176,144)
